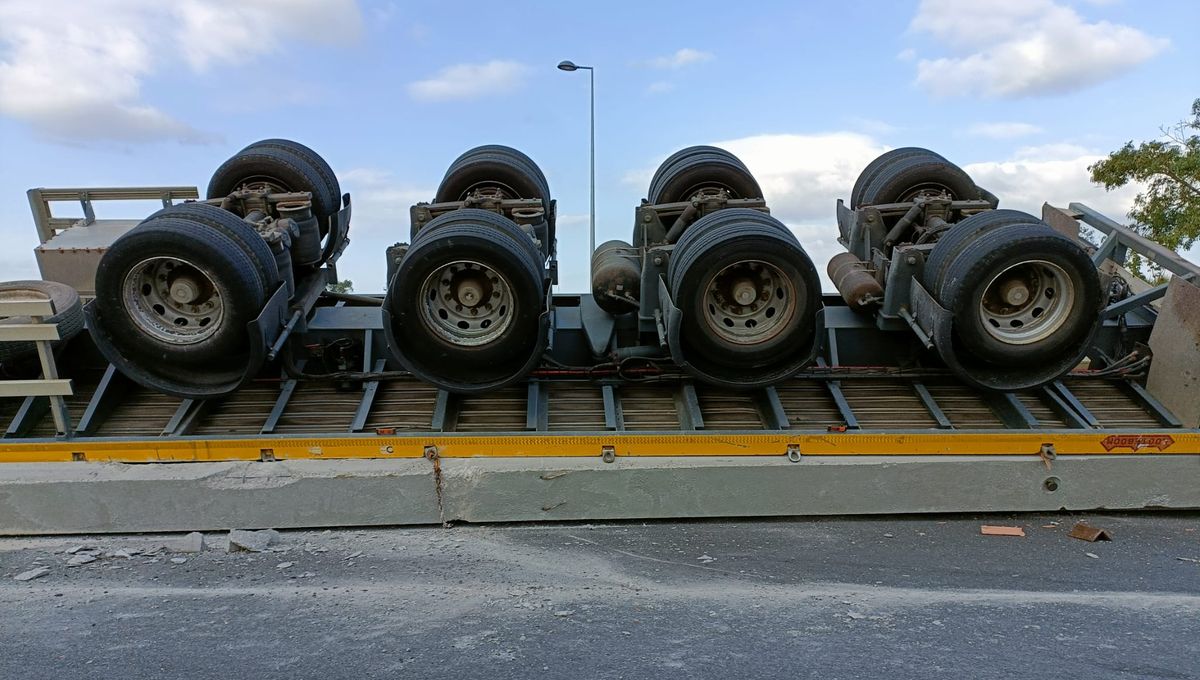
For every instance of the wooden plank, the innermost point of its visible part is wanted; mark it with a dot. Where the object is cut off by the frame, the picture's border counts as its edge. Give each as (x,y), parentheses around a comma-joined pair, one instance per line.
(26,307)
(28,332)
(36,388)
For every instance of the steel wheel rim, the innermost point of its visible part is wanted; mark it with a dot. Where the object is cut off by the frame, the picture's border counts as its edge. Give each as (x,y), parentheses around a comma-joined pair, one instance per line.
(735,318)
(1027,302)
(467,303)
(173,300)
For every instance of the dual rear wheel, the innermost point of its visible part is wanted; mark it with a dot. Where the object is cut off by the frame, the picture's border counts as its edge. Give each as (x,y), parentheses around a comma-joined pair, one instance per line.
(466,308)
(176,294)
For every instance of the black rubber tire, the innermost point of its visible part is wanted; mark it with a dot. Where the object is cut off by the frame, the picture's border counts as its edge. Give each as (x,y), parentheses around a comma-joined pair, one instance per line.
(67,318)
(720,239)
(983,258)
(235,228)
(873,168)
(496,165)
(493,165)
(899,178)
(689,170)
(329,178)
(492,240)
(957,237)
(682,154)
(235,274)
(290,166)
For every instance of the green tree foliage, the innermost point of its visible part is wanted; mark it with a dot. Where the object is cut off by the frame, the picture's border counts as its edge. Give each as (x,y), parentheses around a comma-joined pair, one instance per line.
(343,286)
(1168,210)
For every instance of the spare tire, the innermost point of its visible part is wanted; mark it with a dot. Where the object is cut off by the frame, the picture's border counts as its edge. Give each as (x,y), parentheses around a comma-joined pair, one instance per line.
(466,304)
(905,177)
(285,166)
(1022,295)
(691,170)
(67,317)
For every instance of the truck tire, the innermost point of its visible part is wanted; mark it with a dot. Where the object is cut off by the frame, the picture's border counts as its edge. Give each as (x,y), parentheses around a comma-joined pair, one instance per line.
(67,318)
(1022,295)
(466,302)
(286,166)
(873,168)
(236,229)
(905,178)
(690,170)
(748,295)
(178,292)
(500,167)
(957,237)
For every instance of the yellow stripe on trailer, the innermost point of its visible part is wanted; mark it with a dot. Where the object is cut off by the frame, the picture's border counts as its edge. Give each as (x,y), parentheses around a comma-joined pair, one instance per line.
(991,443)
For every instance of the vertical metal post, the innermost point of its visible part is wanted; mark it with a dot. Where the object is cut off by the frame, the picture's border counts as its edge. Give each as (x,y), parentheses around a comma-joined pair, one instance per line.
(592,213)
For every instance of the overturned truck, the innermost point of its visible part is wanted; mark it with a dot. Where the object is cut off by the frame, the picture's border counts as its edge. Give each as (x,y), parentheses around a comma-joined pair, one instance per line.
(201,298)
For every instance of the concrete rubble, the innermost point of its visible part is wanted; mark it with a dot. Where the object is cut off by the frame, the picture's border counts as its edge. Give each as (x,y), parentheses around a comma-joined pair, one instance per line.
(191,543)
(32,574)
(252,541)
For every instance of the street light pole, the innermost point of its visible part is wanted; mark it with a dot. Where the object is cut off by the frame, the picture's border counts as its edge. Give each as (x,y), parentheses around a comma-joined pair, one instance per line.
(571,66)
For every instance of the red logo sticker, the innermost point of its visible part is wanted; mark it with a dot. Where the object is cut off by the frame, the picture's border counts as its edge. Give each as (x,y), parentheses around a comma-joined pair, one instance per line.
(1137,442)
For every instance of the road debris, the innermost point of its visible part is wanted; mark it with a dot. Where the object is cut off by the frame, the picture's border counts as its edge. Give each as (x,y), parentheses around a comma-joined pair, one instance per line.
(284,565)
(856,616)
(81,559)
(1089,533)
(32,574)
(1188,559)
(1094,556)
(564,612)
(996,530)
(251,541)
(178,560)
(191,543)
(705,559)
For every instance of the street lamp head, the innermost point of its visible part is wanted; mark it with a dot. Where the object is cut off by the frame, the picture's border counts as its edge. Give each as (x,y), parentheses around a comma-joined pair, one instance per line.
(567,66)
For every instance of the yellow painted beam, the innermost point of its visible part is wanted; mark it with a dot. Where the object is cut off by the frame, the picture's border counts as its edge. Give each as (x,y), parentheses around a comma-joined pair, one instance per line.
(1185,442)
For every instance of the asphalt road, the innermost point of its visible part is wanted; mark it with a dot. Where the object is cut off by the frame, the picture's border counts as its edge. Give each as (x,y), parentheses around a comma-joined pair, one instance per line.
(829,598)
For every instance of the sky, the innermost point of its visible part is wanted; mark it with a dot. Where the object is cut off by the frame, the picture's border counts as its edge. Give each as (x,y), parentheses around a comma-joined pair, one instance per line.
(1023,94)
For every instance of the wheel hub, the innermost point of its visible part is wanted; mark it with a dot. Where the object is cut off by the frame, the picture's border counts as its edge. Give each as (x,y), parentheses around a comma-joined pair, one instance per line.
(173,300)
(1027,302)
(467,303)
(749,302)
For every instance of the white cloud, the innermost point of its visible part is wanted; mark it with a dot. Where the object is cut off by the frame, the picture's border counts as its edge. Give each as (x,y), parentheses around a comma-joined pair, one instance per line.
(1003,130)
(1014,48)
(470,81)
(680,58)
(1055,174)
(660,87)
(381,218)
(804,175)
(74,71)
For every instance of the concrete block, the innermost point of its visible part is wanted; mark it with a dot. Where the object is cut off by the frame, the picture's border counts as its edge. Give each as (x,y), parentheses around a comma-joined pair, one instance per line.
(1174,377)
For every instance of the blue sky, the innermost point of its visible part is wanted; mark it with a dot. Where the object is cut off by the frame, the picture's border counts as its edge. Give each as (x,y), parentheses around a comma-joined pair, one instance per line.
(1022,93)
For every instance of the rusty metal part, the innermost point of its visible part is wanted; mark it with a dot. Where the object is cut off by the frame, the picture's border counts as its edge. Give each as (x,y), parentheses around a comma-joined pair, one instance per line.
(854,280)
(690,214)
(1027,302)
(1091,534)
(749,302)
(616,277)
